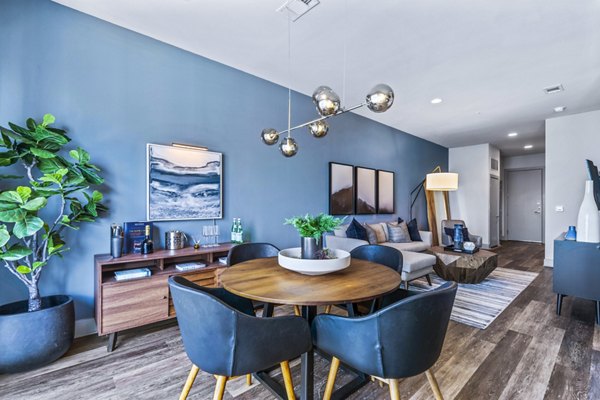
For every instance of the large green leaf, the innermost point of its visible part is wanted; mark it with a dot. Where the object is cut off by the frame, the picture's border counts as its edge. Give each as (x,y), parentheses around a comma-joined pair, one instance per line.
(27,226)
(4,236)
(11,196)
(48,119)
(97,196)
(16,253)
(15,136)
(8,158)
(90,175)
(31,124)
(42,153)
(84,156)
(24,193)
(25,133)
(12,215)
(8,206)
(50,165)
(35,204)
(23,269)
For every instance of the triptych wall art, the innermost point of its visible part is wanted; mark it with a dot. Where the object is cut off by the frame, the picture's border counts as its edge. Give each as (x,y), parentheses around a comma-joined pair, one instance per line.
(360,190)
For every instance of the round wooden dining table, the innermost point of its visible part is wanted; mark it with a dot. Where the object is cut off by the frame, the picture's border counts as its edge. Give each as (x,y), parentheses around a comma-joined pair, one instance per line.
(264,280)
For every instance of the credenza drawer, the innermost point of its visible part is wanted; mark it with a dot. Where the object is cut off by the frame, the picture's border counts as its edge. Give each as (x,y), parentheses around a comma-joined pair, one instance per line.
(129,304)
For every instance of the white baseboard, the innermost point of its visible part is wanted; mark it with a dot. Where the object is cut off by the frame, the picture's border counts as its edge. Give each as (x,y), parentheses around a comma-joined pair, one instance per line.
(84,327)
(548,262)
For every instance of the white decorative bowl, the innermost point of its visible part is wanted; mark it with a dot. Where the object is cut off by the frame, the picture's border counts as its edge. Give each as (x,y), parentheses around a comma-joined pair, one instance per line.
(290,259)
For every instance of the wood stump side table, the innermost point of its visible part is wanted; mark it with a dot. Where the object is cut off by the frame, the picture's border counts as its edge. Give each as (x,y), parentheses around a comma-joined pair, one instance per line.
(462,267)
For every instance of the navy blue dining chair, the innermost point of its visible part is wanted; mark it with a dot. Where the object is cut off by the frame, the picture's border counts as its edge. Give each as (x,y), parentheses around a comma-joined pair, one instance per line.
(401,340)
(222,336)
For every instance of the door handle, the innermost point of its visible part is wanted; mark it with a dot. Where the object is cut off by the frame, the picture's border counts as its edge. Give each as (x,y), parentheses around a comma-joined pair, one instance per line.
(537,211)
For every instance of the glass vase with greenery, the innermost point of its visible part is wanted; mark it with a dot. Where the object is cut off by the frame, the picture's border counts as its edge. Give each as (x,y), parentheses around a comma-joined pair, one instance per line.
(55,195)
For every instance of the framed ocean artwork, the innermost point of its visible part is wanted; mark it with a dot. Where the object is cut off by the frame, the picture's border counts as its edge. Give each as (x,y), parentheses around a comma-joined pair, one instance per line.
(183,183)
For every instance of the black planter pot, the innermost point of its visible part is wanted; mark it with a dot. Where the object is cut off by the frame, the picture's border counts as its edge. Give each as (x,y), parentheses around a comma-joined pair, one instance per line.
(29,340)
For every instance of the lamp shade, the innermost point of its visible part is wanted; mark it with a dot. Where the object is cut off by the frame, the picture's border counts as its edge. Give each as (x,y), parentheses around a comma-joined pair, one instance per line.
(442,181)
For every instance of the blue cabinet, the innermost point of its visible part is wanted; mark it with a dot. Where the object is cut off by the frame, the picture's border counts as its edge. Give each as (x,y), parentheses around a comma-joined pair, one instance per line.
(576,271)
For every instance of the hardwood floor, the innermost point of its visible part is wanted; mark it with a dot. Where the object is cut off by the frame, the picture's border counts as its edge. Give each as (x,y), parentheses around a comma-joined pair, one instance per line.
(528,352)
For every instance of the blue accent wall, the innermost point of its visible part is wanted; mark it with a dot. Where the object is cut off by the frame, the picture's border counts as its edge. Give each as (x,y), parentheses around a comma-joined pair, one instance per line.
(115,90)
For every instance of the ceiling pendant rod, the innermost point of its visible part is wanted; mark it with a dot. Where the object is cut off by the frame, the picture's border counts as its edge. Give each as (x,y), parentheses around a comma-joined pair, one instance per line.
(340,112)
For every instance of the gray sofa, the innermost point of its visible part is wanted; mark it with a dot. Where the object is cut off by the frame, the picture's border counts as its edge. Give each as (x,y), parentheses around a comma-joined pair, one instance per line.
(416,264)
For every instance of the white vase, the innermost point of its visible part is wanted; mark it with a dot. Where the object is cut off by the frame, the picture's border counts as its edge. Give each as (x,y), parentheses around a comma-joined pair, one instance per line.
(588,220)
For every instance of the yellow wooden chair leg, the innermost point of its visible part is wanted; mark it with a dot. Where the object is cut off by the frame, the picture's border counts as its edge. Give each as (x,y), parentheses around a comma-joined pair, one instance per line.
(189,382)
(328,309)
(287,380)
(394,389)
(249,379)
(220,388)
(335,364)
(434,385)
(297,311)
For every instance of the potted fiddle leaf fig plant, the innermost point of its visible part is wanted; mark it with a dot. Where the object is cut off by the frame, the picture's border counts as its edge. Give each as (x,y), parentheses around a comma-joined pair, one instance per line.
(311,230)
(54,195)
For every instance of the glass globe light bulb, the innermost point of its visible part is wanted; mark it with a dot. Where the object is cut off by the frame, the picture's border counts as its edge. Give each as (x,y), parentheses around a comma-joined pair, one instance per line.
(288,147)
(326,100)
(269,136)
(380,98)
(318,129)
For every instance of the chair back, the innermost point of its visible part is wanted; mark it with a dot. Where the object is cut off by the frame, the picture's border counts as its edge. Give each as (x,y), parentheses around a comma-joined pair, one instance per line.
(384,255)
(412,331)
(250,251)
(449,223)
(207,326)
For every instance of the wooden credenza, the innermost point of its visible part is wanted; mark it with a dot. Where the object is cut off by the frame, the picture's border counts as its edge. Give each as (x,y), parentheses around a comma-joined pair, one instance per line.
(132,303)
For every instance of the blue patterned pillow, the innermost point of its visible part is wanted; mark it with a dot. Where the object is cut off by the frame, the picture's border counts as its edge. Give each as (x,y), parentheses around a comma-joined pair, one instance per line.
(398,233)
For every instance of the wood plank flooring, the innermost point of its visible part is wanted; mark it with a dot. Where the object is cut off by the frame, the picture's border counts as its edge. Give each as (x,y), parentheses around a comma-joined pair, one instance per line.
(527,353)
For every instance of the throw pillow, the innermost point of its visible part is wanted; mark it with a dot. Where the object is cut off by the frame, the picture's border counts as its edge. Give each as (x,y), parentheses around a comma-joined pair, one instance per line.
(379,232)
(340,231)
(398,233)
(413,231)
(371,235)
(450,232)
(356,231)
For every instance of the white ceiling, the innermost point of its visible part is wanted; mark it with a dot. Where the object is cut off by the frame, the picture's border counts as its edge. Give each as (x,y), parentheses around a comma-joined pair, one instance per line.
(488,61)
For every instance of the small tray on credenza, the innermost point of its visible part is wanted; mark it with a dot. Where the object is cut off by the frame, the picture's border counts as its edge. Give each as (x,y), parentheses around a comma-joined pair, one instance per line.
(463,251)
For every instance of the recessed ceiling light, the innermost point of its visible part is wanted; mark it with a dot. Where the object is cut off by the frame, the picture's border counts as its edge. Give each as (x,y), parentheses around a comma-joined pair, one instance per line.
(554,89)
(437,100)
(559,109)
(513,134)
(528,146)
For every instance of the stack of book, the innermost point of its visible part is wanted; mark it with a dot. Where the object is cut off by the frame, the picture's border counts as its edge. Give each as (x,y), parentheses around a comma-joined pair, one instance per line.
(132,274)
(189,266)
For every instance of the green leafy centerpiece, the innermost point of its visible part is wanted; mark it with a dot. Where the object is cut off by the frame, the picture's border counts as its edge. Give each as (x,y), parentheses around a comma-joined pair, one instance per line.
(311,230)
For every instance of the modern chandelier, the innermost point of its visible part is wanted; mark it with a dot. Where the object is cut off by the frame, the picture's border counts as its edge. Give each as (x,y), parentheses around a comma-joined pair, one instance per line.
(378,100)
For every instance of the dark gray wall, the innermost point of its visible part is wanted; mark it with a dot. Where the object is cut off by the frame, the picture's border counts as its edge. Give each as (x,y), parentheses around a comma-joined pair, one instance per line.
(115,91)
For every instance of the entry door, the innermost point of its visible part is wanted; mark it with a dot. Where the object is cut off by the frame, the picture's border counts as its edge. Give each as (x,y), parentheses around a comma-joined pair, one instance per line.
(524,208)
(494,211)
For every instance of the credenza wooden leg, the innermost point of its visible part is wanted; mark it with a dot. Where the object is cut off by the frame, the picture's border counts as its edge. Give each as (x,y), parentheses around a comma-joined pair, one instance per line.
(112,342)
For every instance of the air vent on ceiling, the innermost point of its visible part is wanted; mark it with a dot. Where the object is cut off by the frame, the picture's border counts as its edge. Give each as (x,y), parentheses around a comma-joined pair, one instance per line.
(553,89)
(298,8)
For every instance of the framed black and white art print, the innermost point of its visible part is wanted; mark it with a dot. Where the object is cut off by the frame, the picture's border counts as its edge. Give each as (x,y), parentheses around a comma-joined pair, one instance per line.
(341,189)
(366,194)
(385,192)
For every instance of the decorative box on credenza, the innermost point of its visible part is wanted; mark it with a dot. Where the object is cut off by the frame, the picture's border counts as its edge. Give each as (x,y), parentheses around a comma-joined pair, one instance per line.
(131,303)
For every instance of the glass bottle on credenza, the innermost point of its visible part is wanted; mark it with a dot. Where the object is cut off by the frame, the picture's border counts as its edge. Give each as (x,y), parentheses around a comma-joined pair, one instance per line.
(147,244)
(233,231)
(240,232)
